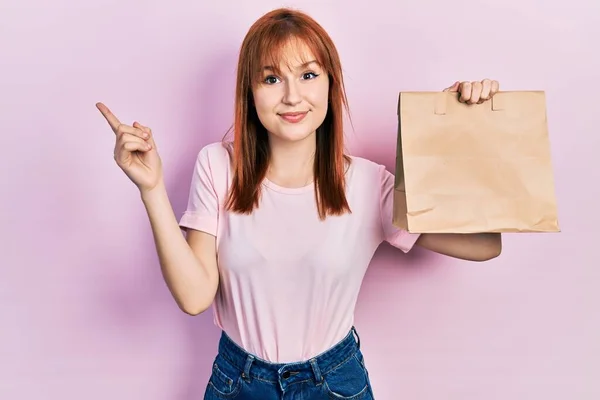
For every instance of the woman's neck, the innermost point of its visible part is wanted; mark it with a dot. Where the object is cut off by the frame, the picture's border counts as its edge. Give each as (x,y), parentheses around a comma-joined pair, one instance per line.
(292,163)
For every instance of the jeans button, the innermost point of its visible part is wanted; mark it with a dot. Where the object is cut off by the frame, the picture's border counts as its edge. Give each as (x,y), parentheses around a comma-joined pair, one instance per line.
(286,374)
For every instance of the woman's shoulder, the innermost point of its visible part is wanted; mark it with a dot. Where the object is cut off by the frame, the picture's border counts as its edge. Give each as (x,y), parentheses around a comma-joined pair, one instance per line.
(216,156)
(213,165)
(217,151)
(361,168)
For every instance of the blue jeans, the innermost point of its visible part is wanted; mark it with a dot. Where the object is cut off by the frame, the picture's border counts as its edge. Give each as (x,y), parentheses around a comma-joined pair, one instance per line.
(338,373)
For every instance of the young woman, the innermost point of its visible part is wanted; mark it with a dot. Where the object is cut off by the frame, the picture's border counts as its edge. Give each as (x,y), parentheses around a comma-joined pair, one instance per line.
(281,224)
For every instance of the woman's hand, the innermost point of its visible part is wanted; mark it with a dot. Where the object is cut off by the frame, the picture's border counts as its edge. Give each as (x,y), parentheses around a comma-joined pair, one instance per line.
(474,92)
(135,151)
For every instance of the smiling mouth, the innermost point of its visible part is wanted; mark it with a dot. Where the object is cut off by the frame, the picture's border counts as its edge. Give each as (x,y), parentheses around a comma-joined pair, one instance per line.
(293,117)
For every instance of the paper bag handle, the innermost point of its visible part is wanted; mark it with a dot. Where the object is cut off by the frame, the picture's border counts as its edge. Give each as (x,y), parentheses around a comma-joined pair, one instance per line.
(442,99)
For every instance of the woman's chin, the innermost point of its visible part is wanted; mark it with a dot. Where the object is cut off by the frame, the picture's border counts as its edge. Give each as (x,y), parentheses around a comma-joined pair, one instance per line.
(292,135)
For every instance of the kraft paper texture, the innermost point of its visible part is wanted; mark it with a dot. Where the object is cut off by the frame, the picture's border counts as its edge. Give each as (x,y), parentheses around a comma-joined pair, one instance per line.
(463,168)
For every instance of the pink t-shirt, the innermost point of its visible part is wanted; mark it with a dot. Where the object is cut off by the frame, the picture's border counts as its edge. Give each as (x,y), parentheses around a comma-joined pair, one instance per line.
(289,281)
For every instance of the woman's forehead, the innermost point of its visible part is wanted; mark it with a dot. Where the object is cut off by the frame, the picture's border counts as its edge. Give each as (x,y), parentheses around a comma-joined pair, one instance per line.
(293,54)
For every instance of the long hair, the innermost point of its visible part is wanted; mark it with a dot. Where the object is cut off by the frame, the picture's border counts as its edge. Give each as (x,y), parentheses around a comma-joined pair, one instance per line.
(251,151)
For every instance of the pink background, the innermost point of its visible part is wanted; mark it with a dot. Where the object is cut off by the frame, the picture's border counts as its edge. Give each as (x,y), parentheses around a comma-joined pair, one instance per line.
(84,313)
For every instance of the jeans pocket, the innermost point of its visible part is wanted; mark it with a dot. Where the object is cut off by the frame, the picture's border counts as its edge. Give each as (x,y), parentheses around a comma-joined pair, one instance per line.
(225,382)
(359,356)
(349,380)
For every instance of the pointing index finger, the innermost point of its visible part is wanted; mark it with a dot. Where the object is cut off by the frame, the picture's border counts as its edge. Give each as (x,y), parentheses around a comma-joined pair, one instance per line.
(110,117)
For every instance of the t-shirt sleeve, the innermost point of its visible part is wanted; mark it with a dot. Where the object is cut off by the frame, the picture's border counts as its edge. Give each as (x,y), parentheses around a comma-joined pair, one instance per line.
(203,204)
(395,236)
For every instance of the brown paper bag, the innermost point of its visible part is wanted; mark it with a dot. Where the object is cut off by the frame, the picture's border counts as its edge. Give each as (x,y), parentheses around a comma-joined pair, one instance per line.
(464,168)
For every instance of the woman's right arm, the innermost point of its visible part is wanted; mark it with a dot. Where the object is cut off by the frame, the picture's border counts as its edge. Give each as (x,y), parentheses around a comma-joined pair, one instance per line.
(189,267)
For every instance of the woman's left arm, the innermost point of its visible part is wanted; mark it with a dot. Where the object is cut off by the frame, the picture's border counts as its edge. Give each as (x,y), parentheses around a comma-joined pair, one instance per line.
(468,246)
(472,246)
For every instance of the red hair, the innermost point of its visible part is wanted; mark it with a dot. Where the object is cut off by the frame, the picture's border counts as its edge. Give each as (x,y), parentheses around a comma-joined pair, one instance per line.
(251,153)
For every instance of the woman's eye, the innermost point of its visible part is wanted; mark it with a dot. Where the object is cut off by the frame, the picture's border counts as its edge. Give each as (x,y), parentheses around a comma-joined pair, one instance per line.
(271,80)
(309,75)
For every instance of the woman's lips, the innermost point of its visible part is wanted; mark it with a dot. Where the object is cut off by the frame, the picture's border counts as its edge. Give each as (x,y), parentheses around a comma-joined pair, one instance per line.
(293,117)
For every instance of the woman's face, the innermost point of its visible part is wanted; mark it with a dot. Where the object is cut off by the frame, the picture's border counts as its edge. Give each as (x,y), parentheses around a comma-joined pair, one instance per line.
(291,100)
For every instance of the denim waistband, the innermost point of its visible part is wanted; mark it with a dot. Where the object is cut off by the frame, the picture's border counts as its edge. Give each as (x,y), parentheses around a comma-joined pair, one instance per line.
(253,367)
